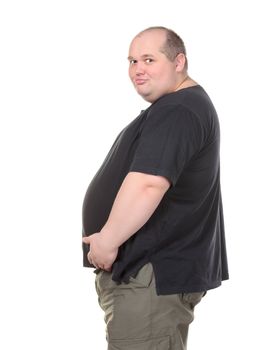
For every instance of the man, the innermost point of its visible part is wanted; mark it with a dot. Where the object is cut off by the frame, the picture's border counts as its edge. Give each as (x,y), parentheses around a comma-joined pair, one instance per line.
(152,216)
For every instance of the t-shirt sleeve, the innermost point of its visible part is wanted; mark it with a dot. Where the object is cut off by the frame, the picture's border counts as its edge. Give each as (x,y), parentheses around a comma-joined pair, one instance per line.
(171,136)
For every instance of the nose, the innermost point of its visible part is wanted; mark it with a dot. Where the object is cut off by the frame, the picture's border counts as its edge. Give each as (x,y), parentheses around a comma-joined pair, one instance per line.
(139,68)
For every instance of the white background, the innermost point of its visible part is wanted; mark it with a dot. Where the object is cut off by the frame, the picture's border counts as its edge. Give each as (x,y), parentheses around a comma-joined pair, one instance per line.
(64,97)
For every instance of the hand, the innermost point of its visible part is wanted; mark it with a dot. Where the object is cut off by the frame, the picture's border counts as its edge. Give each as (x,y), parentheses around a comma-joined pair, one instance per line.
(101,254)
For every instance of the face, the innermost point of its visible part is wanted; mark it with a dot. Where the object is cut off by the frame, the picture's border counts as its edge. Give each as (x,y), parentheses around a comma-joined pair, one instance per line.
(151,72)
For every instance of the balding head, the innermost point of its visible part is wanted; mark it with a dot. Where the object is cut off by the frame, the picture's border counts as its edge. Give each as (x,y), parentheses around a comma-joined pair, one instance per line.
(153,70)
(172,44)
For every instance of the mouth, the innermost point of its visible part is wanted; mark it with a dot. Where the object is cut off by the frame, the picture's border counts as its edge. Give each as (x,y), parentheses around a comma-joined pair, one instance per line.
(140,81)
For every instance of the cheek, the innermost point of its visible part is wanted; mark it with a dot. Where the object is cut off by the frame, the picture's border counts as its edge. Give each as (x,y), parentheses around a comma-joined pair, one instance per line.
(166,76)
(130,73)
(156,73)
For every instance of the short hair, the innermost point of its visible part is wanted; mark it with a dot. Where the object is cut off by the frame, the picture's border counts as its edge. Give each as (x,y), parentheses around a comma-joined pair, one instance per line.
(173,45)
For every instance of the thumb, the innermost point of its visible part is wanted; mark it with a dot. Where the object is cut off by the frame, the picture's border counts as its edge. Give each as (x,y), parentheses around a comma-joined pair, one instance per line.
(86,240)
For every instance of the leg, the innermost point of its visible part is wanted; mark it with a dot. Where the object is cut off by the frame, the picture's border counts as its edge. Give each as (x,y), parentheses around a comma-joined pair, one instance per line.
(138,319)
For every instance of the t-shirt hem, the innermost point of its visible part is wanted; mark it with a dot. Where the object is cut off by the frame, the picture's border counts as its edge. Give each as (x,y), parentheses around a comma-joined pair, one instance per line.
(186,289)
(154,171)
(166,290)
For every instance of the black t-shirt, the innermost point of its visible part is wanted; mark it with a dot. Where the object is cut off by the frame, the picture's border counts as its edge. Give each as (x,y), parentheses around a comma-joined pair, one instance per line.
(177,137)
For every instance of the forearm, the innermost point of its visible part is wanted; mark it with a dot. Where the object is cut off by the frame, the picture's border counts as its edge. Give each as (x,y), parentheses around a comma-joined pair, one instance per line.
(136,201)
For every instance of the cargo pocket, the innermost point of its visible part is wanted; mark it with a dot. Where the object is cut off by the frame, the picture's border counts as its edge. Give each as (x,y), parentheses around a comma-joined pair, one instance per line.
(161,343)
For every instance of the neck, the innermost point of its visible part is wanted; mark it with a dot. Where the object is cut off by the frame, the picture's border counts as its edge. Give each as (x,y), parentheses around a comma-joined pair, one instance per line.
(178,87)
(184,83)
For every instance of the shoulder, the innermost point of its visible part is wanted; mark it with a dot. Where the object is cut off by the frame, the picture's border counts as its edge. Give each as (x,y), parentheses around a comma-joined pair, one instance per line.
(186,105)
(171,110)
(189,97)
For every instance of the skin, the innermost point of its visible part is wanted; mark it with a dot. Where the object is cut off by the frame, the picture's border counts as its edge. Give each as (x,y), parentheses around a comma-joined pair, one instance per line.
(151,72)
(153,75)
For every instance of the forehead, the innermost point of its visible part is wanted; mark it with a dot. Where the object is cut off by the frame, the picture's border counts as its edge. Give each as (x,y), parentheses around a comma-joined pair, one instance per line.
(147,43)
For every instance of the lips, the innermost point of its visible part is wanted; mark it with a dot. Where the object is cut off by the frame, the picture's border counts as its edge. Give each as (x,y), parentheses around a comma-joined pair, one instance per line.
(140,81)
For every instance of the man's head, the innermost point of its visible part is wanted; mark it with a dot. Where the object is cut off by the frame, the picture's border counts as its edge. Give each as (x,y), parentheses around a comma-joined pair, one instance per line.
(158,63)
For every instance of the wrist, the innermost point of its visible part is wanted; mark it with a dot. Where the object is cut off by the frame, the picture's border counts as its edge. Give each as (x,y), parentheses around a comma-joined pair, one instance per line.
(109,238)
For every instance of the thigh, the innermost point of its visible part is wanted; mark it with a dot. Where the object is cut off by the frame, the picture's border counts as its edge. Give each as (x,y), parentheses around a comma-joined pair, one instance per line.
(137,318)
(173,315)
(127,307)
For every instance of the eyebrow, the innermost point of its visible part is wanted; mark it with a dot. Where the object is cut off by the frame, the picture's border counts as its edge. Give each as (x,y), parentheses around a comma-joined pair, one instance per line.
(143,56)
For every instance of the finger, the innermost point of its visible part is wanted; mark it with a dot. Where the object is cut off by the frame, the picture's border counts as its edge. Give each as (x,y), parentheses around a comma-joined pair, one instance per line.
(86,240)
(107,268)
(92,262)
(95,264)
(89,258)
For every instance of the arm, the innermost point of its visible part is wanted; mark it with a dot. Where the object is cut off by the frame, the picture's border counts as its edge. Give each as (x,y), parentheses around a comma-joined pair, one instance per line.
(137,199)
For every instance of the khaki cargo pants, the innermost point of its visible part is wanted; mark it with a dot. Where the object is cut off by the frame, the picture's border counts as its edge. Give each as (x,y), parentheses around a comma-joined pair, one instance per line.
(138,319)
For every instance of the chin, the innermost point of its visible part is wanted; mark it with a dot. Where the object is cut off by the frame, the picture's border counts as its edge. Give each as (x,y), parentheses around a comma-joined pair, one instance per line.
(149,97)
(145,95)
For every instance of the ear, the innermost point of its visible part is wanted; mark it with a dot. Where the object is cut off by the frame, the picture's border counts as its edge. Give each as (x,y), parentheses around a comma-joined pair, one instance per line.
(180,61)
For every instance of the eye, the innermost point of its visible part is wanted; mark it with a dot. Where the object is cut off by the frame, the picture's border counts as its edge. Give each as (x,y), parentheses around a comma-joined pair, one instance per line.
(149,60)
(131,62)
